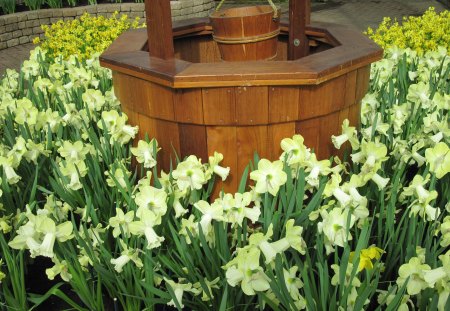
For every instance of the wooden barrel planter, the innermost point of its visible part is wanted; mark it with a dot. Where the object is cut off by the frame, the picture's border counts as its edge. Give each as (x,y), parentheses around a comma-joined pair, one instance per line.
(246,33)
(195,103)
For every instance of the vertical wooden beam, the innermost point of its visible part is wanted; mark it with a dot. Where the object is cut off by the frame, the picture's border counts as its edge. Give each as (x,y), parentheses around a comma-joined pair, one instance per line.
(298,16)
(159,28)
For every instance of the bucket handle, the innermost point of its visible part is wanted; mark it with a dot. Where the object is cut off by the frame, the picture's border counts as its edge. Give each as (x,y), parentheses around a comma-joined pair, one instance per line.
(275,9)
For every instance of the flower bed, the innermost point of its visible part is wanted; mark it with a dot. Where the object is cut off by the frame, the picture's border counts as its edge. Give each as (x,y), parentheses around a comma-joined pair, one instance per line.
(368,231)
(23,27)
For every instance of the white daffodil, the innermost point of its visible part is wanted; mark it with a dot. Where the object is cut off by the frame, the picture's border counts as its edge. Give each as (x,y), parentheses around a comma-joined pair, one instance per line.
(295,153)
(177,206)
(214,167)
(144,226)
(93,99)
(414,270)
(189,174)
(246,271)
(145,151)
(348,280)
(207,296)
(334,227)
(438,158)
(152,199)
(445,231)
(73,152)
(349,133)
(210,213)
(188,227)
(74,171)
(26,112)
(9,165)
(293,284)
(240,209)
(269,176)
(121,222)
(292,239)
(125,257)
(178,289)
(121,174)
(59,268)
(316,169)
(332,189)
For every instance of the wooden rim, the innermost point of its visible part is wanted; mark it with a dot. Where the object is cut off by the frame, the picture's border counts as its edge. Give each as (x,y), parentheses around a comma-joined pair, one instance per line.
(259,10)
(253,39)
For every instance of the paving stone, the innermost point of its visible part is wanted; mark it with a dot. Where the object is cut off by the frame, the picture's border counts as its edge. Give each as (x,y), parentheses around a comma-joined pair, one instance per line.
(12,42)
(32,15)
(45,13)
(23,40)
(17,34)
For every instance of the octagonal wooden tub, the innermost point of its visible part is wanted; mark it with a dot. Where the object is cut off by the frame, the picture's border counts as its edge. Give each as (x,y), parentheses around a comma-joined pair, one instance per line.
(197,104)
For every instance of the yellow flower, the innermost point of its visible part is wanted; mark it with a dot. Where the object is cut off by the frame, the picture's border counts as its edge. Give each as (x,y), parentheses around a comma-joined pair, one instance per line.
(366,256)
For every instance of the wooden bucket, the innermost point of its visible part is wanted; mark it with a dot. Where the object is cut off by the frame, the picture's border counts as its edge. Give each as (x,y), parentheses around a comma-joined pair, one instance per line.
(246,33)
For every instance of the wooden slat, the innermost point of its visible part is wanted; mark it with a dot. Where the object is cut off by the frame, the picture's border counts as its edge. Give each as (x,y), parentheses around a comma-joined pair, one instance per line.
(193,141)
(283,104)
(188,106)
(350,88)
(362,82)
(219,106)
(223,140)
(329,125)
(321,99)
(309,129)
(160,101)
(250,139)
(297,26)
(276,133)
(159,28)
(252,105)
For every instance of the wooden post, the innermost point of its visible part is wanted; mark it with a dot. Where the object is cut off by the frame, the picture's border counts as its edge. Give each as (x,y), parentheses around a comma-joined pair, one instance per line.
(159,28)
(299,11)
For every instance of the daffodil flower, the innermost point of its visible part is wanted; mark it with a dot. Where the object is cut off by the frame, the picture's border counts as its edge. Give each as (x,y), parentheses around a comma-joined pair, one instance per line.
(349,133)
(144,226)
(332,189)
(316,169)
(189,174)
(214,167)
(294,151)
(247,272)
(207,296)
(269,176)
(121,222)
(240,209)
(93,99)
(59,268)
(293,284)
(210,213)
(366,256)
(414,269)
(438,158)
(9,165)
(188,225)
(125,257)
(120,175)
(334,226)
(178,289)
(445,232)
(144,152)
(152,199)
(74,171)
(73,152)
(292,239)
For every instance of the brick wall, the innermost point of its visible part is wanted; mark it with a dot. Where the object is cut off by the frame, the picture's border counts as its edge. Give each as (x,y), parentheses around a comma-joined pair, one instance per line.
(23,27)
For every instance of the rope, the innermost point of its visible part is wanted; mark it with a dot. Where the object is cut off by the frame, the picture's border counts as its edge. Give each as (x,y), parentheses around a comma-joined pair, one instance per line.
(267,36)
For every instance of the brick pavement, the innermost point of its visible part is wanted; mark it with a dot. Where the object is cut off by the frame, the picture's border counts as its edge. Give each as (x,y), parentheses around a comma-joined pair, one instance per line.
(356,14)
